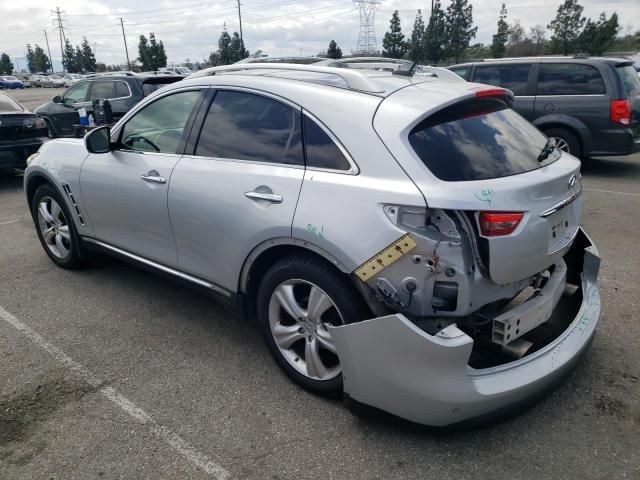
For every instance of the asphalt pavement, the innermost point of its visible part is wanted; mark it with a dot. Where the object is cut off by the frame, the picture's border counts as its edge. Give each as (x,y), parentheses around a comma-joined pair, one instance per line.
(113,372)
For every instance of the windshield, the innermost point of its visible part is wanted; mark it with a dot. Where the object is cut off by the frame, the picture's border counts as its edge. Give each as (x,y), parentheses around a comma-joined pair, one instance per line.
(630,80)
(479,139)
(8,104)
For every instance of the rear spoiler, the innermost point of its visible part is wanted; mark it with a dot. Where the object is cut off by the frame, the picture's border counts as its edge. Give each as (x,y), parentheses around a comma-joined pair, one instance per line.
(489,91)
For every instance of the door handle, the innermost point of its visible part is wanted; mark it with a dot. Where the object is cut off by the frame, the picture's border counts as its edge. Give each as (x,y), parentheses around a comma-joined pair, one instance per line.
(153,177)
(269,197)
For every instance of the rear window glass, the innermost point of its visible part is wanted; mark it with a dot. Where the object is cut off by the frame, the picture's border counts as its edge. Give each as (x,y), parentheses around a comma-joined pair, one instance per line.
(477,140)
(122,90)
(513,77)
(8,104)
(569,79)
(630,80)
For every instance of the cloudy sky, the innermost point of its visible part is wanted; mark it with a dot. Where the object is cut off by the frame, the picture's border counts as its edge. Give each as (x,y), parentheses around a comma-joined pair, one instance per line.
(190,29)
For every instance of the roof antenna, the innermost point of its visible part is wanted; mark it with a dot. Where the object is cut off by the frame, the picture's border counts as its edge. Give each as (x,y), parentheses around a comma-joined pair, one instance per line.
(406,73)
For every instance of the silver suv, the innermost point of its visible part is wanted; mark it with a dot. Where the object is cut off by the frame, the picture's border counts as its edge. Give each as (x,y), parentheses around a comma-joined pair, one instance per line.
(405,239)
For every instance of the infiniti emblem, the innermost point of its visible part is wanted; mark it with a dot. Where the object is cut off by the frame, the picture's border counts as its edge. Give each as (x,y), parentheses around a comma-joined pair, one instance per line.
(572,181)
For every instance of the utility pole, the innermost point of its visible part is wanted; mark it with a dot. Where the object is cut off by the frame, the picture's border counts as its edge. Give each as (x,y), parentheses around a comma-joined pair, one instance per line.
(60,31)
(125,44)
(240,20)
(46,39)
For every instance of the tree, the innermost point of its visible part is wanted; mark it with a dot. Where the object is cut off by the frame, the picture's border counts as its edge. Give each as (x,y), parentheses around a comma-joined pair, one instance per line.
(334,51)
(415,51)
(434,40)
(498,46)
(87,57)
(393,44)
(151,53)
(69,58)
(6,67)
(224,48)
(238,52)
(459,29)
(37,60)
(597,37)
(538,39)
(566,26)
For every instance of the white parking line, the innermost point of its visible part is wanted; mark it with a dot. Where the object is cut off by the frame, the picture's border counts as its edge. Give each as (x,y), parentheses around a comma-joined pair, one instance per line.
(196,458)
(15,220)
(614,192)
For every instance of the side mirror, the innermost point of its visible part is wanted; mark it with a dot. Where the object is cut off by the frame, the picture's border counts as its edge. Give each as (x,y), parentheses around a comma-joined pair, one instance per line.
(98,140)
(57,99)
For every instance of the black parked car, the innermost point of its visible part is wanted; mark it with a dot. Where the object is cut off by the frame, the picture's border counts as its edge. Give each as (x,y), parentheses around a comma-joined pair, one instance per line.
(21,133)
(123,91)
(591,106)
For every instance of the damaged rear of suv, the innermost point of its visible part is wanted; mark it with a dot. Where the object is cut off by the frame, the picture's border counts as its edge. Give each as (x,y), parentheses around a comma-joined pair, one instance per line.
(491,295)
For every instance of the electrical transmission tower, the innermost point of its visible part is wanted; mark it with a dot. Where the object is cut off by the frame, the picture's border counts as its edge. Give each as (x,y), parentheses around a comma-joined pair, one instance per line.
(367,44)
(58,20)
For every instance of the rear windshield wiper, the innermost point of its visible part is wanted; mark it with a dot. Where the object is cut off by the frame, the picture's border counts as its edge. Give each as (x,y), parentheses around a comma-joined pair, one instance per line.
(547,150)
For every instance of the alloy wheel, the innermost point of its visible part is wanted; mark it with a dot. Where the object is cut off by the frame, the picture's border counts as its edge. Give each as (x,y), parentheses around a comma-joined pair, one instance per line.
(561,144)
(299,312)
(54,227)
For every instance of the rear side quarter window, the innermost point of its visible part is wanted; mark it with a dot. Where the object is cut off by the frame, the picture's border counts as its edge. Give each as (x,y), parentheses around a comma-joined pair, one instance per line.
(569,79)
(320,149)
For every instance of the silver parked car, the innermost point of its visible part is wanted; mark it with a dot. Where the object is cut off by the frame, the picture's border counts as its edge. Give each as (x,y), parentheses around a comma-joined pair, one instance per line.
(408,241)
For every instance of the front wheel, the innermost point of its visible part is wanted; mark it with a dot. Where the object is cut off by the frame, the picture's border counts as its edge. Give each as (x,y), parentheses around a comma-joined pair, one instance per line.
(299,297)
(55,227)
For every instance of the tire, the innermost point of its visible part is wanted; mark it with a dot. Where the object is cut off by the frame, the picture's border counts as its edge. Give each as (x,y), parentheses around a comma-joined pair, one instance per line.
(298,344)
(55,228)
(565,139)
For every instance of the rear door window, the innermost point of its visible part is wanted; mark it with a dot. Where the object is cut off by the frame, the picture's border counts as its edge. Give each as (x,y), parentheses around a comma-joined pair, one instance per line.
(513,77)
(246,126)
(569,79)
(122,90)
(102,90)
(477,140)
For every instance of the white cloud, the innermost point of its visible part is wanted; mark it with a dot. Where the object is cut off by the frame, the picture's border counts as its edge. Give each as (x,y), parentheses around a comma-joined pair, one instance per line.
(279,27)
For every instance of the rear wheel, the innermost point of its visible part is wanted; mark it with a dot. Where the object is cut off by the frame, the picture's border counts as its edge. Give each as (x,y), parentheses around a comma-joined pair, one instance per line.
(565,141)
(299,297)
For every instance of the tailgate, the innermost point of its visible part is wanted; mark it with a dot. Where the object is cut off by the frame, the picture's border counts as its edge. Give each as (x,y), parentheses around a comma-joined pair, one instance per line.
(473,153)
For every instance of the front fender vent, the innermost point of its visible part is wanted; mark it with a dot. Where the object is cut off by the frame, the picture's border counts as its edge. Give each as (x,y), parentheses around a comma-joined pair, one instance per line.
(69,193)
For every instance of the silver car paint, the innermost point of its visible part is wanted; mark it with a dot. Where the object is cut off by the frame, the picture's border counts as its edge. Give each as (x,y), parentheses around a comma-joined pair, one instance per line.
(127,211)
(339,215)
(391,364)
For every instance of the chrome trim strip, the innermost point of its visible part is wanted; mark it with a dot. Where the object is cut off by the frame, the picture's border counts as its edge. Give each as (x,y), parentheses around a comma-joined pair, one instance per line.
(560,205)
(159,266)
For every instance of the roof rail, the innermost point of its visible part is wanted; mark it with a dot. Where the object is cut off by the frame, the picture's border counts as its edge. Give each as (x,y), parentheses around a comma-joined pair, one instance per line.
(354,79)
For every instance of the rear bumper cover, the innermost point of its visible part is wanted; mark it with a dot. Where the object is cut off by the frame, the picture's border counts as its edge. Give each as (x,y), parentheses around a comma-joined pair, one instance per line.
(390,364)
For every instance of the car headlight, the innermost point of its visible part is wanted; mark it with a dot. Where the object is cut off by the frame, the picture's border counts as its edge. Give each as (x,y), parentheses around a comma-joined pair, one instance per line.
(40,123)
(32,157)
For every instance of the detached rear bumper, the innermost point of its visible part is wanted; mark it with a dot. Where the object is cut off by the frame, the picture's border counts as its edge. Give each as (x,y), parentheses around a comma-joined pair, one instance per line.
(392,365)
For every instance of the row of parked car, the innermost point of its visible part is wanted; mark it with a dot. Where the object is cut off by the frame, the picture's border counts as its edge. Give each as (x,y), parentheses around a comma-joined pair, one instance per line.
(11,82)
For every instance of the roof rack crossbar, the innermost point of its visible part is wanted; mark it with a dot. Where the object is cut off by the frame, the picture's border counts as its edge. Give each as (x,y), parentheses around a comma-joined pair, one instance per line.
(354,79)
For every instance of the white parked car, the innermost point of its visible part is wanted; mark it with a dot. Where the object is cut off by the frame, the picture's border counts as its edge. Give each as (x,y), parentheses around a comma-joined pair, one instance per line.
(52,81)
(71,78)
(406,239)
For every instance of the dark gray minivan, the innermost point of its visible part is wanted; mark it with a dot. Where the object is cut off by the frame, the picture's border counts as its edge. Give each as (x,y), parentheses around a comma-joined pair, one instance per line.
(591,106)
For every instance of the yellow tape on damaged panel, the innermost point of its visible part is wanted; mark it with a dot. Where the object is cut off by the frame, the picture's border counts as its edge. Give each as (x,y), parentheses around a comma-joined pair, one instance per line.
(386,257)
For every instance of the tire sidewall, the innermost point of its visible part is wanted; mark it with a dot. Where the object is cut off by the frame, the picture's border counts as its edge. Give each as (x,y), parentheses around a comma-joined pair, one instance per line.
(73,259)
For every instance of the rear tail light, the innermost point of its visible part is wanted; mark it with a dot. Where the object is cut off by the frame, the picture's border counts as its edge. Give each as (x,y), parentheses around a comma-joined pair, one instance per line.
(490,92)
(495,224)
(621,112)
